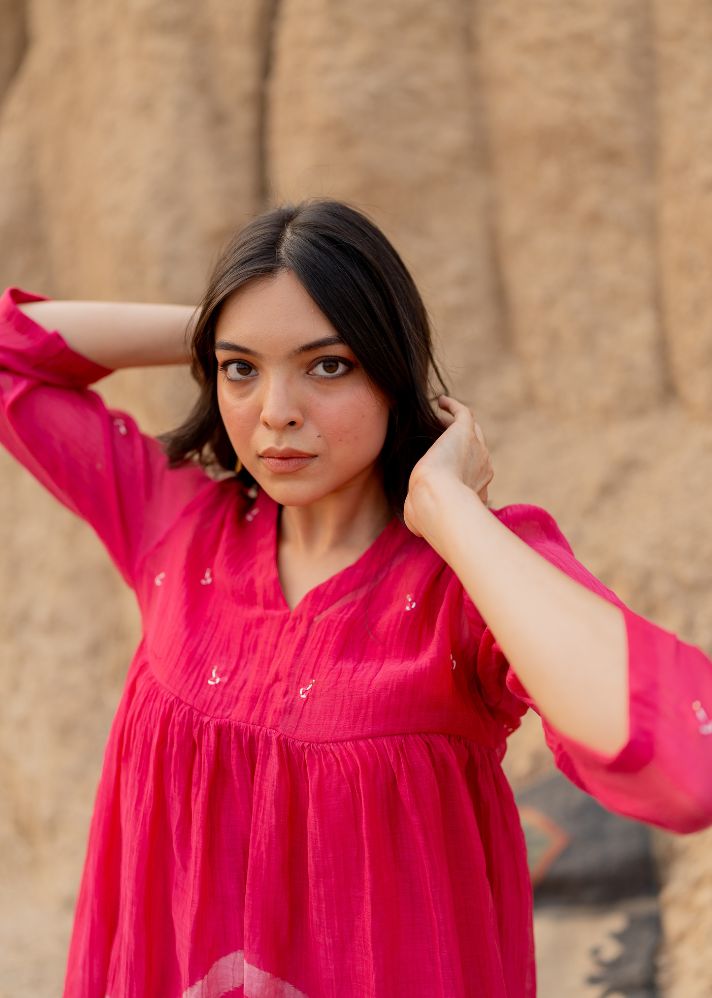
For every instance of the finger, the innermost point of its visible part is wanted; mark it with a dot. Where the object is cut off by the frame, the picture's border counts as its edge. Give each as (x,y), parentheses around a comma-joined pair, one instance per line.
(445,413)
(458,409)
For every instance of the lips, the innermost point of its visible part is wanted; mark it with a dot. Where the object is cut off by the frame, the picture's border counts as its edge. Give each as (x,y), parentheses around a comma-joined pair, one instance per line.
(286,453)
(281,465)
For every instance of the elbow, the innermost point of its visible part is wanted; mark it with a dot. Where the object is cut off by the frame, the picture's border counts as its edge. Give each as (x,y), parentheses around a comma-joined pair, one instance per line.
(687,806)
(696,816)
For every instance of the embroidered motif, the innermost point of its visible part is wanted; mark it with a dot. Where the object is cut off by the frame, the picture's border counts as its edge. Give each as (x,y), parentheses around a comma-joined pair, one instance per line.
(207,578)
(704,720)
(216,679)
(252,514)
(121,426)
(304,691)
(454,663)
(252,492)
(409,601)
(159,578)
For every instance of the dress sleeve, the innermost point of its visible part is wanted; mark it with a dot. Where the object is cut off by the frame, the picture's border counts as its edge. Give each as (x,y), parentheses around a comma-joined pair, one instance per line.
(663,774)
(93,459)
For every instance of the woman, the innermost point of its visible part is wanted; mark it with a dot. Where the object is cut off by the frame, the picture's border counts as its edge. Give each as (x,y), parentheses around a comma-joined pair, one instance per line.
(302,791)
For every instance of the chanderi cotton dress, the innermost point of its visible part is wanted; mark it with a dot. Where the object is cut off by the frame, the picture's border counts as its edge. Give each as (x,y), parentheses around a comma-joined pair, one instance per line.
(310,802)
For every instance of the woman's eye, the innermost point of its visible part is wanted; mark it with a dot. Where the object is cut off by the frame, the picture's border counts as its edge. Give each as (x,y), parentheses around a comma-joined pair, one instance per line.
(241,375)
(330,366)
(242,371)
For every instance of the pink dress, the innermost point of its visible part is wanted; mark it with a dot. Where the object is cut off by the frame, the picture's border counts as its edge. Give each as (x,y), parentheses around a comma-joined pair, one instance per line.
(311,803)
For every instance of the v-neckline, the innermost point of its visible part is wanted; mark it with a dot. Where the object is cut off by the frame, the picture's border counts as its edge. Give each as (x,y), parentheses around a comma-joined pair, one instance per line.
(337,584)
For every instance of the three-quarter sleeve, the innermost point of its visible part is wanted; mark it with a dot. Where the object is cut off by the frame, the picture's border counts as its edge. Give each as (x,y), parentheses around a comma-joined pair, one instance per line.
(93,459)
(663,774)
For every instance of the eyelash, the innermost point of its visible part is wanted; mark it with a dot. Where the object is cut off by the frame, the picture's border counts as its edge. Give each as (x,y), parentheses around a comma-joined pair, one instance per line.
(324,377)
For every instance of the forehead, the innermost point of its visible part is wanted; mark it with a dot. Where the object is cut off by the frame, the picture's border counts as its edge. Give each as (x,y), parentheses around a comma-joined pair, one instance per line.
(272,315)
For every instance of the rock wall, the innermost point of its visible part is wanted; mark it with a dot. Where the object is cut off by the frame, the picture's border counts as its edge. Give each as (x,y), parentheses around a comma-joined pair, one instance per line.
(544,170)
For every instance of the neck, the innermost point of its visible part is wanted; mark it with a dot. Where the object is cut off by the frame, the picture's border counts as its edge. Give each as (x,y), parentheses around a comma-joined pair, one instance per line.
(351,518)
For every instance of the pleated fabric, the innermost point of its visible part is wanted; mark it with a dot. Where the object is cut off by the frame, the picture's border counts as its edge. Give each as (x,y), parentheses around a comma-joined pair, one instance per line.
(295,803)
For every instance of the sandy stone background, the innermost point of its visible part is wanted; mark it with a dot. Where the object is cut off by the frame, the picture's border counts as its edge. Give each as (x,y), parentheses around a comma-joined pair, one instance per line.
(545,169)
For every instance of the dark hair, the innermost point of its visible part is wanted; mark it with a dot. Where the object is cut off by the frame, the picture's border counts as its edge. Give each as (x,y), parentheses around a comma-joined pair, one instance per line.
(358,280)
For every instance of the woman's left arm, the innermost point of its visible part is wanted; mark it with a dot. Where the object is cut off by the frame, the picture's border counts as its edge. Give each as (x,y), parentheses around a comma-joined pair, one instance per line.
(572,645)
(566,644)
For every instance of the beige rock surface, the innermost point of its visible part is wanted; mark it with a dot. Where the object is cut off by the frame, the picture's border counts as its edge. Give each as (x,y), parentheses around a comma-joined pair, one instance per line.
(684,78)
(13,39)
(543,169)
(571,137)
(686,899)
(139,127)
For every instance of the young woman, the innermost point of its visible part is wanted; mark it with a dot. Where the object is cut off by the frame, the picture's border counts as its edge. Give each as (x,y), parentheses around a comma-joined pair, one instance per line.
(302,793)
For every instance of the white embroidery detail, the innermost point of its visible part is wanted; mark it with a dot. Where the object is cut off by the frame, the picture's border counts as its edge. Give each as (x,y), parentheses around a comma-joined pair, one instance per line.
(121,426)
(705,721)
(454,663)
(252,492)
(304,691)
(409,601)
(207,578)
(232,971)
(159,578)
(216,678)
(252,514)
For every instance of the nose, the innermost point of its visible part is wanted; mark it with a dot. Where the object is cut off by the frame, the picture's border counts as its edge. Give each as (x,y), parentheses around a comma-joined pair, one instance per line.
(280,406)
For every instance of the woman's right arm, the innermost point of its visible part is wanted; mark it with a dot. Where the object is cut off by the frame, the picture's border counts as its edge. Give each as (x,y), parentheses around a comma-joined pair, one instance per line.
(94,459)
(119,334)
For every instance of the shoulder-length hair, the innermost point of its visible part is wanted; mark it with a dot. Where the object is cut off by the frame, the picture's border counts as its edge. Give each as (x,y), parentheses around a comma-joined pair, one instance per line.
(358,280)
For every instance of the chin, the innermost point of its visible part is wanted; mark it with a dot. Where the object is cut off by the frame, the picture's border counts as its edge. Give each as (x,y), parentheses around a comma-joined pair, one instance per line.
(293,493)
(304,493)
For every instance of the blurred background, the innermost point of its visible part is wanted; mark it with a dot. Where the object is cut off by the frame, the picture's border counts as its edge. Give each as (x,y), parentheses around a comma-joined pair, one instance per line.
(545,169)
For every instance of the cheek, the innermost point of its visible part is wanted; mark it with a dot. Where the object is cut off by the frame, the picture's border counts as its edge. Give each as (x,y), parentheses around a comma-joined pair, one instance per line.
(235,416)
(359,427)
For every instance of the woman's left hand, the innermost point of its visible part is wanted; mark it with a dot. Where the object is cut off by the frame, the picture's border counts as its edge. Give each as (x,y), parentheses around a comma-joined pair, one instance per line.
(458,456)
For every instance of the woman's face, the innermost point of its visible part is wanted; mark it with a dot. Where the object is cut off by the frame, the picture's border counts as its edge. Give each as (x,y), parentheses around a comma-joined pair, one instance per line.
(279,388)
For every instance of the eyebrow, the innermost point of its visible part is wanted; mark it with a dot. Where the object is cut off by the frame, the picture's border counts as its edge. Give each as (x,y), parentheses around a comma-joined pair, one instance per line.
(327,341)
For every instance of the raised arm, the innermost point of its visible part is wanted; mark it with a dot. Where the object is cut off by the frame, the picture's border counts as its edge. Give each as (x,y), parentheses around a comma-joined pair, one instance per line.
(625,704)
(119,334)
(92,458)
(565,642)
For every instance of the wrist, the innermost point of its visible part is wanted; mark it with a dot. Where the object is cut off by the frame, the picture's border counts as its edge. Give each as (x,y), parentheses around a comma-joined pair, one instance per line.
(438,504)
